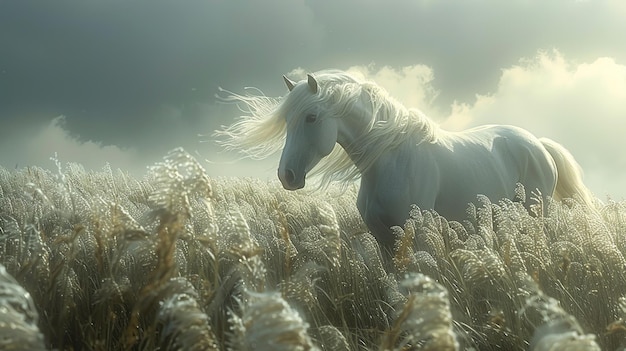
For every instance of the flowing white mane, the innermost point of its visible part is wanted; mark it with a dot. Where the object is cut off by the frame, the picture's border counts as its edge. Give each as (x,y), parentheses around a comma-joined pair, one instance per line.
(262,130)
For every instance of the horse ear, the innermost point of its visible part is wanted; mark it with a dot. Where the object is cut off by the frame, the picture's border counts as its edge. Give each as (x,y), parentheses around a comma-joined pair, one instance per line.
(312,83)
(290,83)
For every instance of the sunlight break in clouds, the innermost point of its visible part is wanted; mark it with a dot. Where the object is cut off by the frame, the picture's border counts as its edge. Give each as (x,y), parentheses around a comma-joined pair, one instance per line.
(411,85)
(581,105)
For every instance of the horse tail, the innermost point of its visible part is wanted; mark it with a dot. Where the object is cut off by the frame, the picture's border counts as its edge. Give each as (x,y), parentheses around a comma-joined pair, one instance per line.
(569,183)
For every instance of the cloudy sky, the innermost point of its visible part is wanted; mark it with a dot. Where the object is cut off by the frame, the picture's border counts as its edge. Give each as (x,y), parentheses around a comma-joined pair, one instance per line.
(125,81)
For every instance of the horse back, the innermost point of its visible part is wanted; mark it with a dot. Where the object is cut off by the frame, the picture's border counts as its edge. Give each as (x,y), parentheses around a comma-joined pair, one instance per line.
(490,161)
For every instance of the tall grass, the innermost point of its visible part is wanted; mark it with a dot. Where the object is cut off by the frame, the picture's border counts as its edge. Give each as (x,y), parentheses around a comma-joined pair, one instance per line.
(181,261)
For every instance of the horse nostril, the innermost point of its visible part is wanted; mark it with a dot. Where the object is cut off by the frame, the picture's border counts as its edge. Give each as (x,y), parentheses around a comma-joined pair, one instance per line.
(289,180)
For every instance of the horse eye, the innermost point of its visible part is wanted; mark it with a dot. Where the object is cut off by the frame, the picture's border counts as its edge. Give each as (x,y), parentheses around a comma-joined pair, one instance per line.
(310,118)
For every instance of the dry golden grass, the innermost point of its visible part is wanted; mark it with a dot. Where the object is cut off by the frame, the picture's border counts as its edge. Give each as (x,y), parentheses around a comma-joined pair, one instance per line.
(180,261)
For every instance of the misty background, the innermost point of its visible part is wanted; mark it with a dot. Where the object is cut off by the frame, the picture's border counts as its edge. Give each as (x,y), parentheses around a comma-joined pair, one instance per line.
(123,82)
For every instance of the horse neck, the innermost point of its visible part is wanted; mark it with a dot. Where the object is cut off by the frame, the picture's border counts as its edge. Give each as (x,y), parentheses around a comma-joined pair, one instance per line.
(363,146)
(353,128)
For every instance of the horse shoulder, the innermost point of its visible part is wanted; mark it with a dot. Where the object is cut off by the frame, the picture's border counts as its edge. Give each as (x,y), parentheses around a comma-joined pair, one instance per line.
(388,190)
(407,177)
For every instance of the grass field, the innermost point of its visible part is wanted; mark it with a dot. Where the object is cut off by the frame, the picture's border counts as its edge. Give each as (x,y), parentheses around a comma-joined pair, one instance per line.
(181,261)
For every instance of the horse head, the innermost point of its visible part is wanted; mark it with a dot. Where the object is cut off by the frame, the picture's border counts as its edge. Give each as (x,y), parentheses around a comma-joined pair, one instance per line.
(311,132)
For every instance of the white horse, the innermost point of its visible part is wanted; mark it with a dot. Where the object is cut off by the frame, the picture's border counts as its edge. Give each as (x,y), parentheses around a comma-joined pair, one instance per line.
(353,129)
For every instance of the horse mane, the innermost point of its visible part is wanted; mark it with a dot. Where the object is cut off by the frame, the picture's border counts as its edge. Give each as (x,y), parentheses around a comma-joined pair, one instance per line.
(262,130)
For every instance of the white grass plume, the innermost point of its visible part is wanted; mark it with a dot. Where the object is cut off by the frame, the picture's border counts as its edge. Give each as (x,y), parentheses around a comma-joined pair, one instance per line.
(558,331)
(184,325)
(425,321)
(18,317)
(268,323)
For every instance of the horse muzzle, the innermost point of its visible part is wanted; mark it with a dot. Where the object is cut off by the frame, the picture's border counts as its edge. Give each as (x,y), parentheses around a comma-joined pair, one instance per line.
(289,180)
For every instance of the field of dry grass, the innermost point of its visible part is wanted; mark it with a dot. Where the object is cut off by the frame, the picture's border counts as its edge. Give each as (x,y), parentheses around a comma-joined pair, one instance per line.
(181,261)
